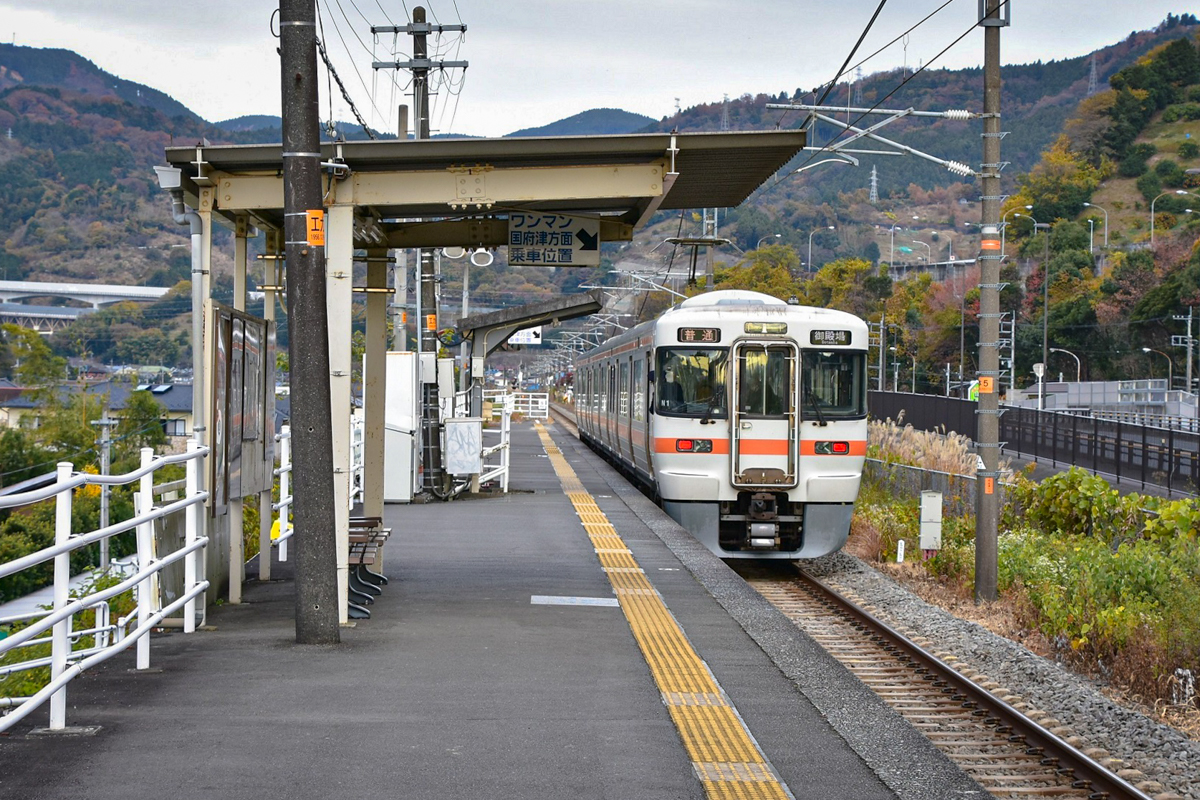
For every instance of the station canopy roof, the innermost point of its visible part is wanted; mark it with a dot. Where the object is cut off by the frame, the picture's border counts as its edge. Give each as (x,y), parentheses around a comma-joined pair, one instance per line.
(458,192)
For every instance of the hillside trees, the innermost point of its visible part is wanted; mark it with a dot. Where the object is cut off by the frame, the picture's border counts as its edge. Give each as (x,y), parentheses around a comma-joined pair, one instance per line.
(1059,185)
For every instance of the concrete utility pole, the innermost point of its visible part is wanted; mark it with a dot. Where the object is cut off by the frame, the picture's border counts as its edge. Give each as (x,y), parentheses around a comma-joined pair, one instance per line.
(427,322)
(308,344)
(987,510)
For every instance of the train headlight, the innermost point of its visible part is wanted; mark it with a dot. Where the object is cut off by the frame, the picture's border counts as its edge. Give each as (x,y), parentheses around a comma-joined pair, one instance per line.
(832,448)
(693,445)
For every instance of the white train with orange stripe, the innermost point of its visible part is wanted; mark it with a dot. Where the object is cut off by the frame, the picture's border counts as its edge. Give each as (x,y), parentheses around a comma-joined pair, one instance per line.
(746,416)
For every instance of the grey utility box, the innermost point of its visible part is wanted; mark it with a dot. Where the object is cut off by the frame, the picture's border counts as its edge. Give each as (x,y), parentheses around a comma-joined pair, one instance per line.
(464,445)
(931,520)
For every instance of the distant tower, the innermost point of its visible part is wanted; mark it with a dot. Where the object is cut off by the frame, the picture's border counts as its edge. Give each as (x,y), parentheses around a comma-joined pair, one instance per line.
(858,87)
(1092,79)
(678,110)
(725,114)
(874,186)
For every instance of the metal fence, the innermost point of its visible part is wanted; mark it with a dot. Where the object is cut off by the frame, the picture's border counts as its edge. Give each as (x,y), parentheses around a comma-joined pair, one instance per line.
(69,654)
(1162,457)
(901,480)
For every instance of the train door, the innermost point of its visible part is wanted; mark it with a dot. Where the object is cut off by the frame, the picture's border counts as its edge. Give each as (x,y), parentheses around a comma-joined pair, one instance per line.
(627,409)
(763,424)
(647,411)
(610,433)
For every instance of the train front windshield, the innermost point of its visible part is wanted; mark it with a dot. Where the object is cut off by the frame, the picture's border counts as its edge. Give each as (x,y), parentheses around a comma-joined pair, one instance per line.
(690,382)
(833,385)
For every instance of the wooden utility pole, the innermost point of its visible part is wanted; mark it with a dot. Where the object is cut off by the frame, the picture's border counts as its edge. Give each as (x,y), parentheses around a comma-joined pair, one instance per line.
(308,343)
(987,508)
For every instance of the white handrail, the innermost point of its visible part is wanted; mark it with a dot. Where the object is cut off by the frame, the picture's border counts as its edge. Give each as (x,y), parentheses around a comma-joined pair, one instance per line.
(357,459)
(65,663)
(284,506)
(499,470)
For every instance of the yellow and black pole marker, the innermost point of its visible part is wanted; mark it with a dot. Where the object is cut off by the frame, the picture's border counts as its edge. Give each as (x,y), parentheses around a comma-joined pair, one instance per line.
(308,342)
(993,15)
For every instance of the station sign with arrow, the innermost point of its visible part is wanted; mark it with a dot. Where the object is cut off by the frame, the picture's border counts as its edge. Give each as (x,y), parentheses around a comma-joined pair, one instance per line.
(527,336)
(553,240)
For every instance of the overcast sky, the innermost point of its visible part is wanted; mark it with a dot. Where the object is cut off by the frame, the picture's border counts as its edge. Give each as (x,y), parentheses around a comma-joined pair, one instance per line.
(536,61)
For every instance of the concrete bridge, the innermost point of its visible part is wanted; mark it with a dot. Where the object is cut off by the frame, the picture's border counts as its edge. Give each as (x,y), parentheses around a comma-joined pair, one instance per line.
(43,319)
(95,294)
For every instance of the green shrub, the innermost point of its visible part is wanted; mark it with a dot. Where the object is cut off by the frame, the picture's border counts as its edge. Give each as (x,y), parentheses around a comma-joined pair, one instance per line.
(28,682)
(1150,185)
(1169,172)
(1189,150)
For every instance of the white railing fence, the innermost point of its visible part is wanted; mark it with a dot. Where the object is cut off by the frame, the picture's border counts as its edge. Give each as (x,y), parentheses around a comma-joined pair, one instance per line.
(499,451)
(108,637)
(533,405)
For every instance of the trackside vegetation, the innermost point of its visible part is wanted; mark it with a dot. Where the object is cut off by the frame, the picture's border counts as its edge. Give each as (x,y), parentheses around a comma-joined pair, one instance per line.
(1111,582)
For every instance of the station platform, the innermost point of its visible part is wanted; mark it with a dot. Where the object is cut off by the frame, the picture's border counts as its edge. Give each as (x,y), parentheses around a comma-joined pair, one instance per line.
(567,640)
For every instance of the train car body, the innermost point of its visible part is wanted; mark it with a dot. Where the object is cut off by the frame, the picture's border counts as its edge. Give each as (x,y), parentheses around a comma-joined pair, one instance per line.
(745,416)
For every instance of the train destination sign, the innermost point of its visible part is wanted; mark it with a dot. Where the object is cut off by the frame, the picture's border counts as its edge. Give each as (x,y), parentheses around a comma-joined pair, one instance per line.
(553,240)
(829,337)
(700,335)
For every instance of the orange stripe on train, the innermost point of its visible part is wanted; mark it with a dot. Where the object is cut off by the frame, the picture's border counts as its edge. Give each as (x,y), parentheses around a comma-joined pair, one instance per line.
(763,447)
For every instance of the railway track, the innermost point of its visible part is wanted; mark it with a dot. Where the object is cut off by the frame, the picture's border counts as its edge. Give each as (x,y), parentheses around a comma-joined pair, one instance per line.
(1011,750)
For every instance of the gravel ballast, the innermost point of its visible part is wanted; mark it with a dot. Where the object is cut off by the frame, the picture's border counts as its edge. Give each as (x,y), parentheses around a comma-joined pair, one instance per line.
(1163,754)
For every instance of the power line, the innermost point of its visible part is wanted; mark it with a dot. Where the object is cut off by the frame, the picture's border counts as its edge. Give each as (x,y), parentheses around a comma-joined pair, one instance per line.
(825,148)
(345,94)
(329,65)
(844,70)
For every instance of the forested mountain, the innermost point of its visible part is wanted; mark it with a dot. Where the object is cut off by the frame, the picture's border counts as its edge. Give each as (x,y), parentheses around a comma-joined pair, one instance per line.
(78,200)
(1038,98)
(595,121)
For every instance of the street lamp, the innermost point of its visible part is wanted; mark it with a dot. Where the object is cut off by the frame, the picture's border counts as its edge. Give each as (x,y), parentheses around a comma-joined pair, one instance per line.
(892,244)
(1170,376)
(1093,205)
(1004,225)
(1078,366)
(758,244)
(928,249)
(810,261)
(1155,200)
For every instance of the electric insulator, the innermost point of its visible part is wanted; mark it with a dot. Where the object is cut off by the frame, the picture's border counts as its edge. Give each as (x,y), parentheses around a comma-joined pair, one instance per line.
(958,114)
(959,168)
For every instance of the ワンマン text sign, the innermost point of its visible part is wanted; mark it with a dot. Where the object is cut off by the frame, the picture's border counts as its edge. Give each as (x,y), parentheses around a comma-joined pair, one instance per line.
(553,240)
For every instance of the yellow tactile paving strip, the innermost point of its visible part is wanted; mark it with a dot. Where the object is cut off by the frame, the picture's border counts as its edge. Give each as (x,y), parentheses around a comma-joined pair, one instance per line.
(724,754)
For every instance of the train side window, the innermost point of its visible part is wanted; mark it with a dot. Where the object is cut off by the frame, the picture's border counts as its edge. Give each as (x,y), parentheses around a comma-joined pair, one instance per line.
(639,391)
(690,382)
(623,399)
(835,382)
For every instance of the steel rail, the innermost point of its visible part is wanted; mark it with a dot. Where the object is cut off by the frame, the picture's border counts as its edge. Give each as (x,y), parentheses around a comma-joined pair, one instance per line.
(1088,773)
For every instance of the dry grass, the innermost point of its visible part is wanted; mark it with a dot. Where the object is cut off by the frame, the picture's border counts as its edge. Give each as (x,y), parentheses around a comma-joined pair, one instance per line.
(940,451)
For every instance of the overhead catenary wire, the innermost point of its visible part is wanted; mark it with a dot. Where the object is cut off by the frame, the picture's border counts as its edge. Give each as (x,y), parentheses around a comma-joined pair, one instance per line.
(825,148)
(845,69)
